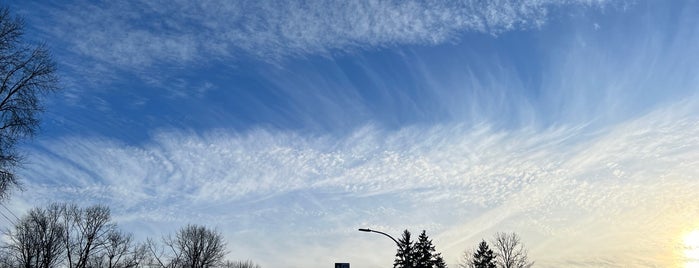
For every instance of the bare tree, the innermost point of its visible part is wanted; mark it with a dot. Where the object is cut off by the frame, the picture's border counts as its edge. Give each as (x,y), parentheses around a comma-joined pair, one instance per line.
(139,256)
(37,238)
(193,246)
(6,259)
(116,252)
(240,264)
(24,244)
(26,73)
(158,256)
(510,251)
(65,235)
(466,260)
(86,232)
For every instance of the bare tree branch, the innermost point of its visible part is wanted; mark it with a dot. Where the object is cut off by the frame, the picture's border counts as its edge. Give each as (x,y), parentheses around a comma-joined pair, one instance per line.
(26,74)
(37,238)
(510,251)
(196,246)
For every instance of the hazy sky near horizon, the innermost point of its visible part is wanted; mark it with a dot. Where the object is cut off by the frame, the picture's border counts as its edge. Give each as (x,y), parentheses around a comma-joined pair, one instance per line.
(287,125)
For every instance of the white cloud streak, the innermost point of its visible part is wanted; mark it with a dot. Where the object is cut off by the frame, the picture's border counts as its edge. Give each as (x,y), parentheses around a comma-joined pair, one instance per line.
(138,34)
(633,184)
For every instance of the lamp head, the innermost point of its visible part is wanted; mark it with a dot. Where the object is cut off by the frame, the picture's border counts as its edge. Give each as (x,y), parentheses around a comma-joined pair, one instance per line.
(364,230)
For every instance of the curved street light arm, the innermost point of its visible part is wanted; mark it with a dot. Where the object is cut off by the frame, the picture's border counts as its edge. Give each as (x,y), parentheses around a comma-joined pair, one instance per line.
(379,232)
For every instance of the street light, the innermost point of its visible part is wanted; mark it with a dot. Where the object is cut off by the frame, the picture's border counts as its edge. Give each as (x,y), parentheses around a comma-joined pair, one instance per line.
(379,232)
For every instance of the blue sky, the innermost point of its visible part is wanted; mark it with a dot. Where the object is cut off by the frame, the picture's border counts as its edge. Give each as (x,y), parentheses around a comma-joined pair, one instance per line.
(288,125)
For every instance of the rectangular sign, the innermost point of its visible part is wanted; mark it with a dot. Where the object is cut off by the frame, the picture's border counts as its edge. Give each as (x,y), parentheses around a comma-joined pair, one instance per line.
(342,265)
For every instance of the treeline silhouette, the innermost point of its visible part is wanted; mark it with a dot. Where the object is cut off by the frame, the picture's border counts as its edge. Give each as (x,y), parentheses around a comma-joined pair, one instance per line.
(66,235)
(509,252)
(418,254)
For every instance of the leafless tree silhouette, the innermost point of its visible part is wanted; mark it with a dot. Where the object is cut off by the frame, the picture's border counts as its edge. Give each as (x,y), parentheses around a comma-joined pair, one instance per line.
(37,238)
(118,251)
(26,73)
(510,251)
(193,246)
(86,231)
(241,264)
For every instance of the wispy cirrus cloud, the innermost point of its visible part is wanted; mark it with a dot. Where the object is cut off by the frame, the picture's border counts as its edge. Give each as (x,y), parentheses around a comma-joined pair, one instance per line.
(591,74)
(160,42)
(622,186)
(137,34)
(604,188)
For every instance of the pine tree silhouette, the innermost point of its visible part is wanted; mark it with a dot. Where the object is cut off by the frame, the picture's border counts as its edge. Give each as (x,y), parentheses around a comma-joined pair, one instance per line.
(439,261)
(484,257)
(425,254)
(405,257)
(424,251)
(420,254)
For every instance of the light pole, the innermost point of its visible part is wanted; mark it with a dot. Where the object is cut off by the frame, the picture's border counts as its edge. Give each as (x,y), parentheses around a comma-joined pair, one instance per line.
(379,232)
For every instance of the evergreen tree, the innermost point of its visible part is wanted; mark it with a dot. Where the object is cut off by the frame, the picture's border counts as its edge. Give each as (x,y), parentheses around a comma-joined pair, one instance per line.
(425,255)
(439,261)
(405,257)
(420,254)
(484,257)
(424,251)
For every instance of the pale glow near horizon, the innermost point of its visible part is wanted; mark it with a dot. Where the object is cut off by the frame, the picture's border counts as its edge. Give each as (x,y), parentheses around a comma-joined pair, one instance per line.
(691,252)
